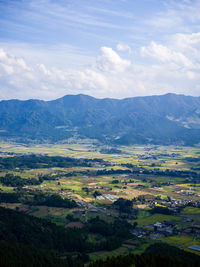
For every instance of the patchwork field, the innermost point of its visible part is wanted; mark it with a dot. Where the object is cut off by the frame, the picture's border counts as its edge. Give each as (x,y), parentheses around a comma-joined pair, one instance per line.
(155,179)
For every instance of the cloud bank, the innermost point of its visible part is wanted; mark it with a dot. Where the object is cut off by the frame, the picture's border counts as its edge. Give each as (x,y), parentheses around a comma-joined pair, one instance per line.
(169,69)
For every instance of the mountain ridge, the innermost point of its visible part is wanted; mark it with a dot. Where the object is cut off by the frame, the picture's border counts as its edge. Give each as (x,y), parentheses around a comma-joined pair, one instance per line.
(159,119)
(85,95)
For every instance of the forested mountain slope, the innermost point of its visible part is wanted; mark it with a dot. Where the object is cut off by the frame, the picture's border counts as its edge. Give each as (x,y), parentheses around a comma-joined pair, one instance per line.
(165,119)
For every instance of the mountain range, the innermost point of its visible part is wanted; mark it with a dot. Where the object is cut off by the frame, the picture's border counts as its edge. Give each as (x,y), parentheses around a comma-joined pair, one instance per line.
(165,119)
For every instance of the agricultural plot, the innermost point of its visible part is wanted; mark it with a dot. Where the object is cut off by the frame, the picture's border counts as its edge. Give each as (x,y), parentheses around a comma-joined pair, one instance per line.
(161,183)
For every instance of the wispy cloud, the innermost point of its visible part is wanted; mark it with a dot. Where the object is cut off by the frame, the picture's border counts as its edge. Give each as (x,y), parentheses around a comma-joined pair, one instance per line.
(126,15)
(177,16)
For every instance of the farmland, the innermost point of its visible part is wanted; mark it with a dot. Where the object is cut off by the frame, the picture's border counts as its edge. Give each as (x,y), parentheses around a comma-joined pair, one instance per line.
(155,190)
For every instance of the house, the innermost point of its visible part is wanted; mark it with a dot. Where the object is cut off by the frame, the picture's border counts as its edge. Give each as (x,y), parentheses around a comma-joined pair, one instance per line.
(156,235)
(139,232)
(158,225)
(194,247)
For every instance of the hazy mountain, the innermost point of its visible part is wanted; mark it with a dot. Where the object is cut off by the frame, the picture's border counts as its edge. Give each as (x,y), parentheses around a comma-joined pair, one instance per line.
(165,119)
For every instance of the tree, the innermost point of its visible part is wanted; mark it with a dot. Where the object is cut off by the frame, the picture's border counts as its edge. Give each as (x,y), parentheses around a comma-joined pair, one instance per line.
(96,194)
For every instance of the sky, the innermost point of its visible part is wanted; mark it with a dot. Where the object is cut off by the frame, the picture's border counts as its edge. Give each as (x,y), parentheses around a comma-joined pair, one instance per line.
(102,48)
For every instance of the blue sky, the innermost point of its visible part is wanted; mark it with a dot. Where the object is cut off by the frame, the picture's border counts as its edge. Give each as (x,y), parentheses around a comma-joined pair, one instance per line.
(104,48)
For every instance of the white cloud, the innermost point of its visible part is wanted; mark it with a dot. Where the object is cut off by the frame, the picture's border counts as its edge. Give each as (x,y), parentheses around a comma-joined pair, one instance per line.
(110,61)
(188,39)
(123,48)
(8,69)
(188,44)
(168,70)
(21,81)
(165,54)
(12,64)
(3,55)
(44,69)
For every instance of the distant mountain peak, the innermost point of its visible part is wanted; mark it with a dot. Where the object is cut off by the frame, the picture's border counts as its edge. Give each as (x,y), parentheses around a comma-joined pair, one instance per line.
(164,119)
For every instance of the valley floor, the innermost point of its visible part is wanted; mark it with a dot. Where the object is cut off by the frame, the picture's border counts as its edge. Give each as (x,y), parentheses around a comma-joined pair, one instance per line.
(153,191)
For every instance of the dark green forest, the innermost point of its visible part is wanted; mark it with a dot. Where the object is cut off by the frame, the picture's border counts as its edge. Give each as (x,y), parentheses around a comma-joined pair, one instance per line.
(31,241)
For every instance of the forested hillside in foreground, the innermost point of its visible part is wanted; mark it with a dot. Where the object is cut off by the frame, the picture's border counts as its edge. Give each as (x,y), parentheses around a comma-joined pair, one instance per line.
(30,241)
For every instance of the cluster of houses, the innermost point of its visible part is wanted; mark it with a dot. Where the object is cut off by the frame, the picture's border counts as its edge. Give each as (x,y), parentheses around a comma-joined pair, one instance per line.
(172,204)
(164,229)
(156,230)
(109,197)
(184,192)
